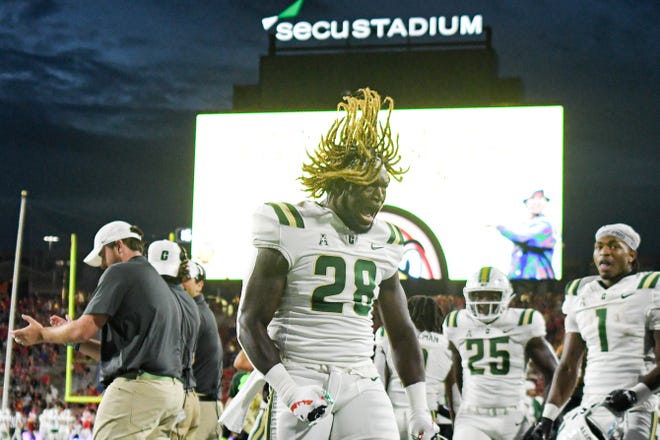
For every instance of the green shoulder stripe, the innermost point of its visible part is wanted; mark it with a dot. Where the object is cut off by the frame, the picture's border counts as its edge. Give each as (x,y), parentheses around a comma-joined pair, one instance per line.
(396,237)
(526,317)
(452,318)
(287,214)
(649,281)
(572,287)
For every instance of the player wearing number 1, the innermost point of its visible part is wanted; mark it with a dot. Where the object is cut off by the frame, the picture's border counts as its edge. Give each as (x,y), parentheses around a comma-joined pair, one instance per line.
(614,318)
(305,317)
(491,344)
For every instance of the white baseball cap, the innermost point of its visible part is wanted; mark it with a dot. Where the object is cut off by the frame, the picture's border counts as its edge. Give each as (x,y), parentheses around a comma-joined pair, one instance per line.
(165,256)
(113,231)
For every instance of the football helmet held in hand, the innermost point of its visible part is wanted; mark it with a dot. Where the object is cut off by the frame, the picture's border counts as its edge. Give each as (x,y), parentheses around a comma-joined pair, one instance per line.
(309,403)
(621,400)
(580,424)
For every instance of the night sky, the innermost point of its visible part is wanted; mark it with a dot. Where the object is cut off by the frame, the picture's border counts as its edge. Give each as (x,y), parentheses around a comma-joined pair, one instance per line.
(98,100)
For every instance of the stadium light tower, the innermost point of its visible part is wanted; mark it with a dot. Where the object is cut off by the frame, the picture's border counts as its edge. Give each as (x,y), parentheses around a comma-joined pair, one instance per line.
(50,239)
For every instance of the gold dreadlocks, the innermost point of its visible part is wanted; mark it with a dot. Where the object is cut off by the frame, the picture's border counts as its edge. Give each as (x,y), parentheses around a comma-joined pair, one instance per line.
(355,148)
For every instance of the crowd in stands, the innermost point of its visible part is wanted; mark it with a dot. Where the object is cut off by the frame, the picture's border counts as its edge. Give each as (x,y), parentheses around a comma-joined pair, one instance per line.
(37,379)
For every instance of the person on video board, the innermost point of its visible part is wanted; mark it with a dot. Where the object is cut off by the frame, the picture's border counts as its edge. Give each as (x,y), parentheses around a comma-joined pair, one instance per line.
(533,242)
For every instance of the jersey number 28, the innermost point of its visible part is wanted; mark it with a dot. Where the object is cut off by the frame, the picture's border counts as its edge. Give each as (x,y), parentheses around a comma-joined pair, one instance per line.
(363,292)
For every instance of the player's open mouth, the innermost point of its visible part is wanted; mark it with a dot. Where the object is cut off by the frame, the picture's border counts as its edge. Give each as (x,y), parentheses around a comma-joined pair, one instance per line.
(603,265)
(368,214)
(367,217)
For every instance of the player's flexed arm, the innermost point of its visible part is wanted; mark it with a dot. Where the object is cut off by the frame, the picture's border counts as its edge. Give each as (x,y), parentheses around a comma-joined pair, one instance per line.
(258,305)
(406,354)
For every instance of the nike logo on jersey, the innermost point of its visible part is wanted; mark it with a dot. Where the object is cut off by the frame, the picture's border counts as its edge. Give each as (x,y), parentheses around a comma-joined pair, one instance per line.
(507,330)
(374,247)
(626,295)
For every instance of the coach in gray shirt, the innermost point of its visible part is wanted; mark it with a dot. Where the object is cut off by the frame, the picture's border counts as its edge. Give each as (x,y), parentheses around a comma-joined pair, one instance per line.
(139,350)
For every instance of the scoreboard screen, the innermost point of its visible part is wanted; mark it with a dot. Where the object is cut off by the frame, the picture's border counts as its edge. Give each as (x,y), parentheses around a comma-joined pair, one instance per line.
(472,174)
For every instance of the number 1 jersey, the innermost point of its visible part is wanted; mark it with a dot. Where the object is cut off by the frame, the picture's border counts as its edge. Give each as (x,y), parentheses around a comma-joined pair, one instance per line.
(615,323)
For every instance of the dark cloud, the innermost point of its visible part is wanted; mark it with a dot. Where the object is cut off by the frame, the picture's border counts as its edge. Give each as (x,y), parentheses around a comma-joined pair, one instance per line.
(18,11)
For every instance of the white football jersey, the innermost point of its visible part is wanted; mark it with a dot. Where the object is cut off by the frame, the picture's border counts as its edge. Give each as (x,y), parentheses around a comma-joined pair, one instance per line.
(437,363)
(493,355)
(614,323)
(325,313)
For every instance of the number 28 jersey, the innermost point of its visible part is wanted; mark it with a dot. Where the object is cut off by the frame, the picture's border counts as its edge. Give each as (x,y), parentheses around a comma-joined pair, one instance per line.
(614,323)
(325,313)
(493,355)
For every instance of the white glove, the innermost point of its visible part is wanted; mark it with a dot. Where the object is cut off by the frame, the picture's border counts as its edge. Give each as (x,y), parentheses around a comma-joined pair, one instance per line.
(421,426)
(308,403)
(420,423)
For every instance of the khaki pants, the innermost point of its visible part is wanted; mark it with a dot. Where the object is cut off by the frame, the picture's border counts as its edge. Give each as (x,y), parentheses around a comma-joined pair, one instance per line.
(139,409)
(208,420)
(186,428)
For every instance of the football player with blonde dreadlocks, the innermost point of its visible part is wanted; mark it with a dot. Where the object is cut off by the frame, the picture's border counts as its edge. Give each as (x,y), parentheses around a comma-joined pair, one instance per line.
(305,318)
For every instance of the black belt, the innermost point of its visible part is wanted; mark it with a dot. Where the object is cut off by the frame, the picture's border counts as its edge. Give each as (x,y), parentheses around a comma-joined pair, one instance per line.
(205,398)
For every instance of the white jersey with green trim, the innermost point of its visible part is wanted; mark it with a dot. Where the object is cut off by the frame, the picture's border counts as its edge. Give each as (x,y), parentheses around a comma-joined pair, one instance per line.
(325,313)
(493,355)
(614,323)
(437,363)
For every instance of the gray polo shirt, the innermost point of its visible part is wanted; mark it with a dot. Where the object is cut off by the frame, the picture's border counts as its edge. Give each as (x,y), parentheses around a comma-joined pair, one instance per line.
(143,330)
(208,360)
(190,332)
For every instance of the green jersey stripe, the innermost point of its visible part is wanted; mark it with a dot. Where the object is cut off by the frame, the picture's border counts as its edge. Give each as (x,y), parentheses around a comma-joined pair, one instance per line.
(287,214)
(649,281)
(526,317)
(572,287)
(299,223)
(452,318)
(396,237)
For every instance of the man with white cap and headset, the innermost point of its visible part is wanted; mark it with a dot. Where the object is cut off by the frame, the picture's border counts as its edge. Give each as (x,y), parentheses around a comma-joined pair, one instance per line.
(140,347)
(615,318)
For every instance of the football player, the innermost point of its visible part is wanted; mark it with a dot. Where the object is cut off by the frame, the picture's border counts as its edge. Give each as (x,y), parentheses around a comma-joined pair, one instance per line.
(305,317)
(427,317)
(614,319)
(491,344)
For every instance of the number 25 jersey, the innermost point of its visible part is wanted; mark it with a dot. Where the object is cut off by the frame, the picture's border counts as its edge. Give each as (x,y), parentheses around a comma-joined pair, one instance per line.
(325,313)
(493,355)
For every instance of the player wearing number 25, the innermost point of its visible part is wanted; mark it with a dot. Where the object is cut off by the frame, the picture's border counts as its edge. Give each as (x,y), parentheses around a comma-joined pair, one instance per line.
(305,317)
(491,344)
(615,318)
